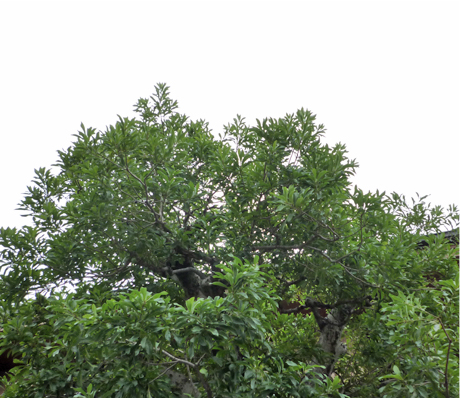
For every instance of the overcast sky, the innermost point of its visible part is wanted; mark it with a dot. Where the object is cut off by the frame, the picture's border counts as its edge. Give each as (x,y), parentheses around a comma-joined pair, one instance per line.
(382,76)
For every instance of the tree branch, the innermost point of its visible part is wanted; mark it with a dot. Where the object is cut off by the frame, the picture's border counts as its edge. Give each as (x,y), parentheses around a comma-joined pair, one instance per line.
(164,372)
(284,247)
(306,245)
(178,359)
(286,284)
(338,261)
(202,275)
(292,310)
(118,270)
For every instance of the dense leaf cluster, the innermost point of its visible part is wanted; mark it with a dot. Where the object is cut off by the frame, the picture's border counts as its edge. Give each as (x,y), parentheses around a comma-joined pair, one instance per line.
(141,272)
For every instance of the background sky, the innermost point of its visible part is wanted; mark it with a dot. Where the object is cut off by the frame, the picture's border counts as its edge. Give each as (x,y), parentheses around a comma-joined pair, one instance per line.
(382,76)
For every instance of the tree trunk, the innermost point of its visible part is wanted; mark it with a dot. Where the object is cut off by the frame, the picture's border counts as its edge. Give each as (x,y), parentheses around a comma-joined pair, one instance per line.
(331,335)
(331,328)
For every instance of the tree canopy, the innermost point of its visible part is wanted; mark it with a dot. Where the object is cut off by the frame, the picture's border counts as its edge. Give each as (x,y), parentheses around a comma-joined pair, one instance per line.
(161,260)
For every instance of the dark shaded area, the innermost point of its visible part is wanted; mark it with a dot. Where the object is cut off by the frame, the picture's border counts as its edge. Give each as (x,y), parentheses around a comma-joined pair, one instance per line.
(6,362)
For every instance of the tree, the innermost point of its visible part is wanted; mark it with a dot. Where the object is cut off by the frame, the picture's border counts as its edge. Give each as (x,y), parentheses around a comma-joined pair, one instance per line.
(158,254)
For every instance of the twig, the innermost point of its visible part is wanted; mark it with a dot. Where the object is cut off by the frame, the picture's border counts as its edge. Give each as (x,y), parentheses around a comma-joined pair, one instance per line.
(358,279)
(162,373)
(338,261)
(306,245)
(285,247)
(178,359)
(116,270)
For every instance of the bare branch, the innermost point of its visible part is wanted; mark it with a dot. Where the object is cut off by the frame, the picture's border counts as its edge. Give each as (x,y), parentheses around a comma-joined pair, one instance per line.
(136,177)
(346,269)
(337,236)
(164,372)
(284,247)
(192,365)
(279,247)
(338,261)
(320,251)
(118,270)
(158,219)
(292,310)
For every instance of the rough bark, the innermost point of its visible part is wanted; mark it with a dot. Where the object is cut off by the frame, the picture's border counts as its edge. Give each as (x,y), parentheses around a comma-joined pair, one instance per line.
(331,329)
(331,335)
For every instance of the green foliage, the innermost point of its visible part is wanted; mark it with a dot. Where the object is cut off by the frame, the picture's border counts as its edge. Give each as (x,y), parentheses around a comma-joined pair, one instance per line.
(158,254)
(424,331)
(126,345)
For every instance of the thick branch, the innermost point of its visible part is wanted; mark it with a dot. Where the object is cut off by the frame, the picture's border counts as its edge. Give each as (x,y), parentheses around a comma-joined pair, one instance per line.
(292,310)
(188,269)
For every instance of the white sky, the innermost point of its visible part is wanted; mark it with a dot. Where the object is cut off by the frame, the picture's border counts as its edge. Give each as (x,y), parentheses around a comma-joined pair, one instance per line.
(383,76)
